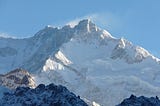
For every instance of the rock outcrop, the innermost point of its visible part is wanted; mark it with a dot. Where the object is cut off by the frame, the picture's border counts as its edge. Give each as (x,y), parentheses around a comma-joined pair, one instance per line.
(17,78)
(50,95)
(140,101)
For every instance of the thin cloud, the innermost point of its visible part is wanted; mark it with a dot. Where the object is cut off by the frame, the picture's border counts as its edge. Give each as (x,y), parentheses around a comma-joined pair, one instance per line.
(5,35)
(76,20)
(104,20)
(107,20)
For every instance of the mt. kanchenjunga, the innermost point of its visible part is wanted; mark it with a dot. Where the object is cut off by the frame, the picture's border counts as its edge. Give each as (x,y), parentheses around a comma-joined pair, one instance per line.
(86,59)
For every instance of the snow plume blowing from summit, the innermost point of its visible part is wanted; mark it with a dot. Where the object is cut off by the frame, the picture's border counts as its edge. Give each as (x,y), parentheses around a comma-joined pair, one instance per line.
(86,59)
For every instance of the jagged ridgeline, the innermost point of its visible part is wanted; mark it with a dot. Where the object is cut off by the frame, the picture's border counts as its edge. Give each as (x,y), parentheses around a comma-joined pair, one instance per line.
(140,101)
(17,78)
(50,95)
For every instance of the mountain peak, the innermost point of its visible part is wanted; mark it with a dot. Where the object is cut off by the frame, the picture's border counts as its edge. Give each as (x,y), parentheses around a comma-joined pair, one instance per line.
(86,25)
(85,21)
(17,77)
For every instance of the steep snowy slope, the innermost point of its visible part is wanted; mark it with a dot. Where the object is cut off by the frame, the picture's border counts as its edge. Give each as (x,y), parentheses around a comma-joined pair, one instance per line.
(86,59)
(31,53)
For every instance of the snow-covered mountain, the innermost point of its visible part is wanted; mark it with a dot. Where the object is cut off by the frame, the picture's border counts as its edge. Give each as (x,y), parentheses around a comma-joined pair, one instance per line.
(86,59)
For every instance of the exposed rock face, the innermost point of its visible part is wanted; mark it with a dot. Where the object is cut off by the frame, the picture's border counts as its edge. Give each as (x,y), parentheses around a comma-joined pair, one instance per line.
(140,101)
(16,78)
(126,51)
(50,95)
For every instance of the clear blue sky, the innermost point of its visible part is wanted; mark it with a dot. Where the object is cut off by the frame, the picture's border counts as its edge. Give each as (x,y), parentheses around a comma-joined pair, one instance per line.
(135,20)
